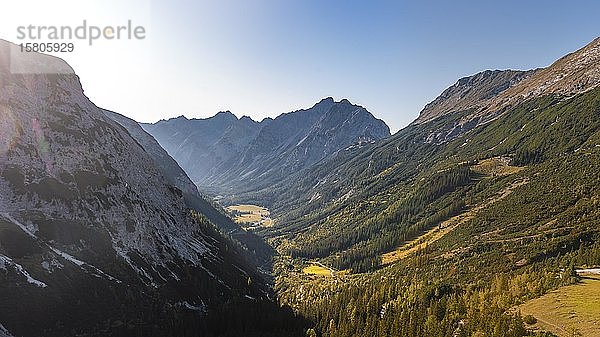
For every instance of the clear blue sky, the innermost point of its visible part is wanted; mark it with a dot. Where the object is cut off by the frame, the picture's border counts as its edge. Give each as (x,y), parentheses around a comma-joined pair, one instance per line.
(265,57)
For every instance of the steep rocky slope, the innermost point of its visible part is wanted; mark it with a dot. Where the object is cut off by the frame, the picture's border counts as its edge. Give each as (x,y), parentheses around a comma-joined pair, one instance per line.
(173,172)
(483,97)
(256,249)
(168,166)
(95,237)
(246,155)
(472,92)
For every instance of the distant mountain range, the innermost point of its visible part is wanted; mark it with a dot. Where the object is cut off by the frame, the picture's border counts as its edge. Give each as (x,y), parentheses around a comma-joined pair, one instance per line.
(226,155)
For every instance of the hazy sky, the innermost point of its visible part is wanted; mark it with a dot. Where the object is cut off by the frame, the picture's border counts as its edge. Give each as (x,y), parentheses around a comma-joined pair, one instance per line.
(265,57)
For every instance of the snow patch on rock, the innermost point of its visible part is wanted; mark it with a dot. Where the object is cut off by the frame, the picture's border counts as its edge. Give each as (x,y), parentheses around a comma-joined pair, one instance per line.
(4,332)
(200,308)
(85,266)
(6,262)
(51,265)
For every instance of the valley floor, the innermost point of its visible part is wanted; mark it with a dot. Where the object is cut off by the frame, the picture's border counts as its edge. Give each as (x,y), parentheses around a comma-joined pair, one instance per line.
(250,216)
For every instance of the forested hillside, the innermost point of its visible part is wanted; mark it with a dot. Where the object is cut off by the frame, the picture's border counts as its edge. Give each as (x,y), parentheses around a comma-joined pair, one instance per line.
(414,236)
(498,216)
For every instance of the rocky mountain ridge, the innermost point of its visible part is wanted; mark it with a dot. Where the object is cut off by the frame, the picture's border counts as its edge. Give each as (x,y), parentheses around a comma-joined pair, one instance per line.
(223,154)
(572,74)
(472,92)
(484,96)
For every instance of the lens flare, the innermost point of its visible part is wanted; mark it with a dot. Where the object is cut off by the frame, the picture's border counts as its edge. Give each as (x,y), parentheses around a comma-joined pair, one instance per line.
(42,145)
(10,130)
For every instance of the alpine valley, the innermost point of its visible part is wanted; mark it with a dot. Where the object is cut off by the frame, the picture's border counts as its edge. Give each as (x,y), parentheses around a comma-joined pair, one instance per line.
(480,218)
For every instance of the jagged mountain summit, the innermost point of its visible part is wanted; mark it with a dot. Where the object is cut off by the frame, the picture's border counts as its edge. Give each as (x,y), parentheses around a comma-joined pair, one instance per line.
(226,154)
(94,229)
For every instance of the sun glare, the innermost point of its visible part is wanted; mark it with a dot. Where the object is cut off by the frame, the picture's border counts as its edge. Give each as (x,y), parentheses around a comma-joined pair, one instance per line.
(9,130)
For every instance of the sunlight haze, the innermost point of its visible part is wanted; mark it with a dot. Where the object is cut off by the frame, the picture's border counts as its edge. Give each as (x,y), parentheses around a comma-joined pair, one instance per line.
(263,58)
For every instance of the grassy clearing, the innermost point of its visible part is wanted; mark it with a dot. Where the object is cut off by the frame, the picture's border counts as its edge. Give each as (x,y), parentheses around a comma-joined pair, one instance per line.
(248,218)
(426,239)
(568,311)
(497,166)
(251,214)
(315,269)
(252,209)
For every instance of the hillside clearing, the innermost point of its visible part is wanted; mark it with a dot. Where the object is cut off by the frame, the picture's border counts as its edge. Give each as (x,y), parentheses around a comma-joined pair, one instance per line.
(445,227)
(318,269)
(568,311)
(249,209)
(496,166)
(426,239)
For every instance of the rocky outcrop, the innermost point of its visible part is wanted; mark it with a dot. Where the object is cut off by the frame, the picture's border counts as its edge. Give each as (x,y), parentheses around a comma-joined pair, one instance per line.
(481,98)
(472,92)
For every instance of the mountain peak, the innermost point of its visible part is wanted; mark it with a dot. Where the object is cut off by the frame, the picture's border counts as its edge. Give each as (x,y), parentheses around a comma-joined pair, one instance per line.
(247,118)
(325,103)
(225,114)
(178,119)
(471,92)
(570,75)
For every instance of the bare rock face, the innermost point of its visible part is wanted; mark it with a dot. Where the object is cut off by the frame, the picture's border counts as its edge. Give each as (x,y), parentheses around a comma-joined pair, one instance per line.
(483,97)
(84,206)
(258,251)
(472,92)
(168,166)
(225,155)
(571,75)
